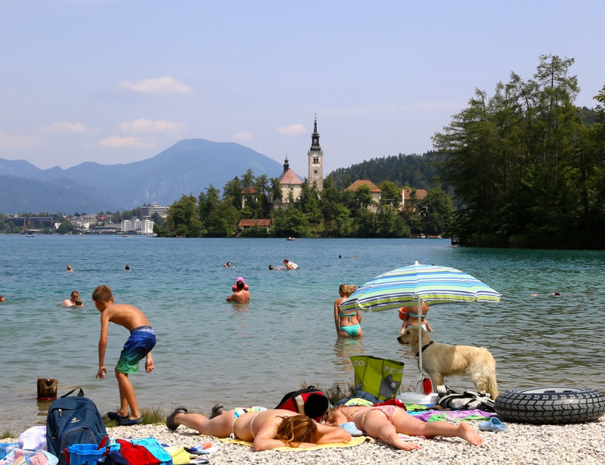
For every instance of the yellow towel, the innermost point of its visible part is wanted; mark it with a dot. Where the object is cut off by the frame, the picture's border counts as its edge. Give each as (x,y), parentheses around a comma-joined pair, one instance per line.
(353,442)
(179,455)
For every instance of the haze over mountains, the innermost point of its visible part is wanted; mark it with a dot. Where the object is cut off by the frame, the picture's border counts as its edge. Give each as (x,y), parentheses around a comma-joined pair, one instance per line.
(188,167)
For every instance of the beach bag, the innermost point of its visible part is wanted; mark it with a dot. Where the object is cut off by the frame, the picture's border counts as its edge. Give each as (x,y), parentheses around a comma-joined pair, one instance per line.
(73,420)
(310,402)
(380,377)
(467,400)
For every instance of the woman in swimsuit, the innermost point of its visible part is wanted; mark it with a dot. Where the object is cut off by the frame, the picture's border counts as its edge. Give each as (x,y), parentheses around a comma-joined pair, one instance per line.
(348,324)
(386,422)
(266,429)
(409,316)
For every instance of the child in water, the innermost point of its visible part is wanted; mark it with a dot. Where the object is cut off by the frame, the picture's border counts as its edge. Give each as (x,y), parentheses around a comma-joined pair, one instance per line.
(409,316)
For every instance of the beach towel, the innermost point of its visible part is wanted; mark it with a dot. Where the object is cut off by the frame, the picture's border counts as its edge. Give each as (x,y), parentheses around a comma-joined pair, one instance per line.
(442,415)
(353,442)
(144,451)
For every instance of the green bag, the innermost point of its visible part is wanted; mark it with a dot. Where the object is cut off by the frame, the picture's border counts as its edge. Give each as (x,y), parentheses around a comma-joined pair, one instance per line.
(378,376)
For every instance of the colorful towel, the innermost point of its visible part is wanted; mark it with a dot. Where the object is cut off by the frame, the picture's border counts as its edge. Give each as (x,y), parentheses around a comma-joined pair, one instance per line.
(353,442)
(444,415)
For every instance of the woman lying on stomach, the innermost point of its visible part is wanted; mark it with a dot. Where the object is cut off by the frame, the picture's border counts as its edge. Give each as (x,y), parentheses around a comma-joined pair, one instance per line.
(266,429)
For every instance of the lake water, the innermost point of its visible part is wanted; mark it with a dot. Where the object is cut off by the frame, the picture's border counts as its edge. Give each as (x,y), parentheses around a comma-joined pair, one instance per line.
(211,351)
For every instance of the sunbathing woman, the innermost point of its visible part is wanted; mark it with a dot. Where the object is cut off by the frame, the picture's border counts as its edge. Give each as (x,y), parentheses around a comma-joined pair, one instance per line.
(266,429)
(409,316)
(348,324)
(386,422)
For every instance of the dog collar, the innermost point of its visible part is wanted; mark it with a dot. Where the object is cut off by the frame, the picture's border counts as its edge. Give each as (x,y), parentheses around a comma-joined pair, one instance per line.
(423,348)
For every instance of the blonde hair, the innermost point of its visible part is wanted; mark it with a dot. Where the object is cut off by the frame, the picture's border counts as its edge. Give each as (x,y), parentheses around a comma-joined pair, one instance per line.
(102,294)
(296,429)
(346,289)
(330,414)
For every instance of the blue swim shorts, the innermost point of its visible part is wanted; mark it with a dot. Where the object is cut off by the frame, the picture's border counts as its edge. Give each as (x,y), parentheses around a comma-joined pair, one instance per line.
(138,345)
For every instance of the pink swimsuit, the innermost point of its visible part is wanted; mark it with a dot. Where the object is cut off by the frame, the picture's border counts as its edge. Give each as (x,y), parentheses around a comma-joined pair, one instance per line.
(388,410)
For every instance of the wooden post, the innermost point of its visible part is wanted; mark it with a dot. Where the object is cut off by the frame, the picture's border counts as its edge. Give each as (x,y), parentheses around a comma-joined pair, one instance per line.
(47,388)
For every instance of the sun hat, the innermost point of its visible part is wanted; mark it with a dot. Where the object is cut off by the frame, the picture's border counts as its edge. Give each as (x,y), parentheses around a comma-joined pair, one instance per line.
(240,279)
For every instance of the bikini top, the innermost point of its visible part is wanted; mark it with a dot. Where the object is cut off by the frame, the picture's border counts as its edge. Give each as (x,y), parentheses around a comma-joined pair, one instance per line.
(347,314)
(422,315)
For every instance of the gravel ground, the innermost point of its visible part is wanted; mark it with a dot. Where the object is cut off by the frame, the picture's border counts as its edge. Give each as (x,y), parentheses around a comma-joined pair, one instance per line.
(522,444)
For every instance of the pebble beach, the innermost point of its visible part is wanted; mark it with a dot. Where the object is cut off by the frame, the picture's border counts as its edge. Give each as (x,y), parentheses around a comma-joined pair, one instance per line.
(522,444)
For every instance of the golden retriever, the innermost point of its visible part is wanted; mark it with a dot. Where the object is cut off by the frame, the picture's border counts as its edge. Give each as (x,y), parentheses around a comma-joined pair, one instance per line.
(441,360)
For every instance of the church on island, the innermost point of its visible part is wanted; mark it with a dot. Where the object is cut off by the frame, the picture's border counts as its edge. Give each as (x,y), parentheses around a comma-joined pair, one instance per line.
(291,184)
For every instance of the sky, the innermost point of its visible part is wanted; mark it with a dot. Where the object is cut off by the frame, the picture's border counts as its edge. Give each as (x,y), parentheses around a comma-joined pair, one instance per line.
(118,81)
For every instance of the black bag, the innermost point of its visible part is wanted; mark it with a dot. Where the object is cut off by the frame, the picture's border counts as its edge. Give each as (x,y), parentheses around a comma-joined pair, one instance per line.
(310,402)
(468,400)
(73,420)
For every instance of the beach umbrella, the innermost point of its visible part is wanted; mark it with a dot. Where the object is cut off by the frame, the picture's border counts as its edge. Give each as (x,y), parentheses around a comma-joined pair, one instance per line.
(416,284)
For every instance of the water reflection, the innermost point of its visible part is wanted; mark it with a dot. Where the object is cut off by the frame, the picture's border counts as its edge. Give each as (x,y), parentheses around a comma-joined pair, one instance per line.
(43,406)
(242,308)
(344,348)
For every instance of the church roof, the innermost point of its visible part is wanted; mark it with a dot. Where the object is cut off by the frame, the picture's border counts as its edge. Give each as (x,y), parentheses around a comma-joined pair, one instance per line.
(363,182)
(252,223)
(289,177)
(420,194)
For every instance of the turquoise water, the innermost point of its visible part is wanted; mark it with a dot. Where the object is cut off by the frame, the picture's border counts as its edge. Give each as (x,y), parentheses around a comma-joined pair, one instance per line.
(209,350)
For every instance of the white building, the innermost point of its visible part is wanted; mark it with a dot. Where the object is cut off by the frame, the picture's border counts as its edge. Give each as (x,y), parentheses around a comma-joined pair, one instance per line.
(148,210)
(289,182)
(137,225)
(84,221)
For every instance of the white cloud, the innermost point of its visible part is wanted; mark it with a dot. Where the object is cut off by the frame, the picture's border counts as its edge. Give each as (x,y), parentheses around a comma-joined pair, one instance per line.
(163,85)
(292,130)
(125,143)
(242,136)
(63,127)
(19,141)
(145,126)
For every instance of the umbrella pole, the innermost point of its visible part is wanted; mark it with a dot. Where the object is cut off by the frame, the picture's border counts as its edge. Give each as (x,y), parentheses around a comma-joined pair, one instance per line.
(419,313)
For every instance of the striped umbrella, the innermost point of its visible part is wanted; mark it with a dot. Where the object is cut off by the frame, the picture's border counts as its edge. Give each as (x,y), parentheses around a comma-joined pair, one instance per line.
(427,283)
(416,284)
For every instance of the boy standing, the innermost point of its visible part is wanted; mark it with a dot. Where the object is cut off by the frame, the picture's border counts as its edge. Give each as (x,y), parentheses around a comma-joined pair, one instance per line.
(138,345)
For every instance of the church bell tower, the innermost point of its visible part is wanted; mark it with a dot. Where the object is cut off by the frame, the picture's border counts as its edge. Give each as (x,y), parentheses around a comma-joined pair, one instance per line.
(316,161)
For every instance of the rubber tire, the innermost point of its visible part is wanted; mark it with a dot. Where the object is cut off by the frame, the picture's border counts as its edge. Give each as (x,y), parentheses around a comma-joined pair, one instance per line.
(551,405)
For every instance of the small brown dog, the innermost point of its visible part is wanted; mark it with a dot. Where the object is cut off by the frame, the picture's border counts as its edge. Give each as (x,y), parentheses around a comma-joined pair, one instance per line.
(441,360)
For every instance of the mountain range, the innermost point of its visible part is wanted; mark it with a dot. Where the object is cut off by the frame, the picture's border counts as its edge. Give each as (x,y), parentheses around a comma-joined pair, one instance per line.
(188,167)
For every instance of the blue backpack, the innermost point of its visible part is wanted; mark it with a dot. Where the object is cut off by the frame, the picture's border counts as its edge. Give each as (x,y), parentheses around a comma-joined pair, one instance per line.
(73,420)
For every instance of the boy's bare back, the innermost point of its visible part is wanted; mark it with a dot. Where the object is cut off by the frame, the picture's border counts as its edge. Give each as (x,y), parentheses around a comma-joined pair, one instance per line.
(125,315)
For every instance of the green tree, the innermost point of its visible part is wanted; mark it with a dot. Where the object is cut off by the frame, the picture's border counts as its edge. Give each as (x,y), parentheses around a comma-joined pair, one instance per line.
(65,227)
(363,198)
(391,194)
(390,224)
(223,220)
(207,203)
(513,161)
(438,212)
(183,219)
(232,192)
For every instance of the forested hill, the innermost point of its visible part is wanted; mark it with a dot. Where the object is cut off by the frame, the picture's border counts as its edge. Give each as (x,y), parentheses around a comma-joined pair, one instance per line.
(416,171)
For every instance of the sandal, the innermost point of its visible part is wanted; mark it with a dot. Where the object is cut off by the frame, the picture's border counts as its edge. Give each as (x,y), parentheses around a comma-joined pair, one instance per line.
(116,417)
(216,411)
(170,420)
